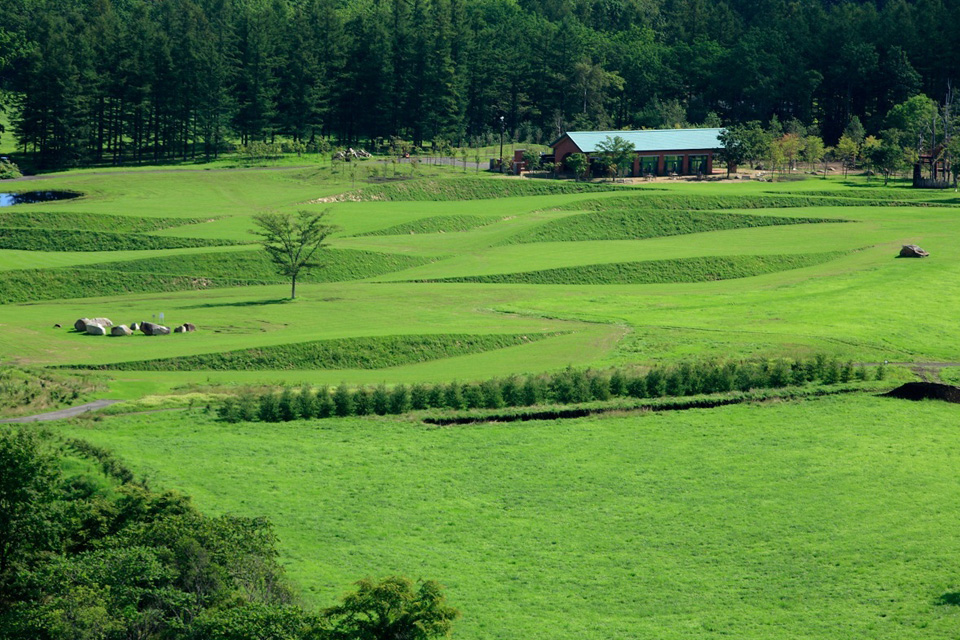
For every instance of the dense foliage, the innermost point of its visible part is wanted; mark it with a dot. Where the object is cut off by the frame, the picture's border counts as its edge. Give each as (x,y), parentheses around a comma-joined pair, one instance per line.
(28,389)
(137,80)
(84,555)
(570,386)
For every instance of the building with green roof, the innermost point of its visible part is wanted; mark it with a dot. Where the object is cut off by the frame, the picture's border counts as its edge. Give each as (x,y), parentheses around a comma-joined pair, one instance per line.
(659,152)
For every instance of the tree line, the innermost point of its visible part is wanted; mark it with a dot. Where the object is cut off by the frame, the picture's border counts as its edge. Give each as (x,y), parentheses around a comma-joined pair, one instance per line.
(138,80)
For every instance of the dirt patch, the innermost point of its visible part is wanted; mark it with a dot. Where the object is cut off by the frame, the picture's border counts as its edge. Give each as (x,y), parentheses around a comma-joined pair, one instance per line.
(926,391)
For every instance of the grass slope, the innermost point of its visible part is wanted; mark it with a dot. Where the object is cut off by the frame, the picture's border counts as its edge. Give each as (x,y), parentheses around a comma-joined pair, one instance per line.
(433,224)
(348,353)
(70,240)
(821,519)
(634,224)
(470,189)
(700,202)
(80,221)
(704,269)
(188,272)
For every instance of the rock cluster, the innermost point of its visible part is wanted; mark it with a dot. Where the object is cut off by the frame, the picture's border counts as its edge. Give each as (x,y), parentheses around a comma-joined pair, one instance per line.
(104,326)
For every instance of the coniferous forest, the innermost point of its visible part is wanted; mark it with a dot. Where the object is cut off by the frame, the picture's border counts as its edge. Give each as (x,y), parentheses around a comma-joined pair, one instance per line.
(148,80)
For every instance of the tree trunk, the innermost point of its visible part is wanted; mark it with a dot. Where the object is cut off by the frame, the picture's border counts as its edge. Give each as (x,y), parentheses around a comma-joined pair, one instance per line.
(293,288)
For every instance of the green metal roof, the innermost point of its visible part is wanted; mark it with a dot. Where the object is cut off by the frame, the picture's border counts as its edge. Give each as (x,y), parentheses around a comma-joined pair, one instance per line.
(650,139)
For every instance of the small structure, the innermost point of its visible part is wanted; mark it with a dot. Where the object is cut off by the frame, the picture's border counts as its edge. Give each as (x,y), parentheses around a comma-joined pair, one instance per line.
(658,152)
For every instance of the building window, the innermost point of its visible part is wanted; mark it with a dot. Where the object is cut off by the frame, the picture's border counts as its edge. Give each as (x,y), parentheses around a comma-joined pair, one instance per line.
(698,165)
(648,165)
(672,164)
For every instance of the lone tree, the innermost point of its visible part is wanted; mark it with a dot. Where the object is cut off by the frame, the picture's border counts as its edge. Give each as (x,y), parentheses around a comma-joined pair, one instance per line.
(292,242)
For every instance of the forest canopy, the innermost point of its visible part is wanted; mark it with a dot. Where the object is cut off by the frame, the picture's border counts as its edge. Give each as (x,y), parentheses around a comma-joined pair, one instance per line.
(146,80)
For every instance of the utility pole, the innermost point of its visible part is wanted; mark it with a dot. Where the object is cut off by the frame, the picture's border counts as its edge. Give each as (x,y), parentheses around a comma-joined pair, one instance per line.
(501,143)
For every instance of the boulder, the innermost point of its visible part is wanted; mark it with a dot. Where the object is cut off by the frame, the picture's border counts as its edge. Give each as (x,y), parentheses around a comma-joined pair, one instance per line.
(121,330)
(103,322)
(189,327)
(81,324)
(179,329)
(135,326)
(56,326)
(147,327)
(912,251)
(160,330)
(96,330)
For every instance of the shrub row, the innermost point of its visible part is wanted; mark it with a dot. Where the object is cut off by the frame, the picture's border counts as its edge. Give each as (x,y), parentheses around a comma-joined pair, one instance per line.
(109,463)
(634,224)
(374,352)
(40,388)
(91,221)
(433,224)
(701,269)
(69,240)
(471,189)
(570,386)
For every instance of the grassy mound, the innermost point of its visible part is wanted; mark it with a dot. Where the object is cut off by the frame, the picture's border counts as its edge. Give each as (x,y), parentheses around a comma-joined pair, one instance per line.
(871,194)
(28,390)
(433,224)
(91,221)
(470,189)
(347,353)
(703,202)
(702,269)
(187,273)
(632,224)
(69,240)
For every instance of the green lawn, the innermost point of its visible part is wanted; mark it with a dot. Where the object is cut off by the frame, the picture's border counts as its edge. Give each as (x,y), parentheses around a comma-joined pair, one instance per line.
(831,518)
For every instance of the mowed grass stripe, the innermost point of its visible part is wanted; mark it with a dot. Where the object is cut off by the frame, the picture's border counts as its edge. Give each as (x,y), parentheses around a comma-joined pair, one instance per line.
(701,202)
(188,272)
(72,240)
(433,224)
(80,221)
(633,224)
(469,189)
(347,353)
(700,269)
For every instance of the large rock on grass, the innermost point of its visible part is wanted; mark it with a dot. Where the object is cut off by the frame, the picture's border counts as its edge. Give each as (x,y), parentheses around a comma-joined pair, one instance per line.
(96,329)
(154,329)
(121,330)
(81,324)
(186,327)
(135,326)
(912,251)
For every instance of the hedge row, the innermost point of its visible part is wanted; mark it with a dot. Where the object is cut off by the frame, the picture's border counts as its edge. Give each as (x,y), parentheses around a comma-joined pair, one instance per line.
(635,224)
(571,386)
(701,269)
(704,202)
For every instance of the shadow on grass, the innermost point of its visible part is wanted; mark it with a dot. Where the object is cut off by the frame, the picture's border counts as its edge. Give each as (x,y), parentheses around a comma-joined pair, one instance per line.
(951,598)
(248,303)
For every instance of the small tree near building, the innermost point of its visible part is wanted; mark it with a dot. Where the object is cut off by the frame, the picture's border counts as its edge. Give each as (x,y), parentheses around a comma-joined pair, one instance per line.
(292,242)
(579,164)
(617,154)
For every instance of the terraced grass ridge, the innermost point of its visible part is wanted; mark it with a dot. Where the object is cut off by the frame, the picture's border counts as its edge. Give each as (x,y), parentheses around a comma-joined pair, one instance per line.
(346,353)
(70,240)
(91,221)
(434,224)
(469,189)
(702,202)
(634,224)
(189,272)
(702,269)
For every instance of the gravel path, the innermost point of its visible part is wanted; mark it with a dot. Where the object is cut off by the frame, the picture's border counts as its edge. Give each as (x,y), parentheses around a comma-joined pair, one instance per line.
(62,414)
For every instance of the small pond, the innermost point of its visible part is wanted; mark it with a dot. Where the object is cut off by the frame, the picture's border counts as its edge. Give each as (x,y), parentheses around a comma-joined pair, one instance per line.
(33,197)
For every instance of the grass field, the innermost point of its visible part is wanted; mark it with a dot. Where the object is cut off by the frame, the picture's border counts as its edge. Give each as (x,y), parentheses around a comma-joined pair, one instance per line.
(823,518)
(820,519)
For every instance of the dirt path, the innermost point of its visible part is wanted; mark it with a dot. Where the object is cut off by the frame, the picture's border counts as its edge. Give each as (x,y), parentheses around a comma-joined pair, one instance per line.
(62,414)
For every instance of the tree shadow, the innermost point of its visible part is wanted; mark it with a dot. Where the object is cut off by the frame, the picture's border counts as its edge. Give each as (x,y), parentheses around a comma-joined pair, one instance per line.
(247,303)
(951,598)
